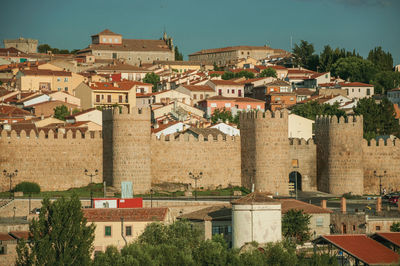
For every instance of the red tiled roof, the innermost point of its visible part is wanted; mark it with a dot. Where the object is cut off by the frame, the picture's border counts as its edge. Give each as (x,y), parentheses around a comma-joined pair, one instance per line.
(77,124)
(121,86)
(300,71)
(82,112)
(20,234)
(131,45)
(12,110)
(256,198)
(45,72)
(129,215)
(216,72)
(355,84)
(224,82)
(5,237)
(106,32)
(262,67)
(232,48)
(237,70)
(289,204)
(247,81)
(393,237)
(235,99)
(364,248)
(162,126)
(198,88)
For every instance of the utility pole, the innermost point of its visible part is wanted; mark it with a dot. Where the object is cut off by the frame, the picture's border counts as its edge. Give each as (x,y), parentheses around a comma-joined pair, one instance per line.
(195,177)
(96,172)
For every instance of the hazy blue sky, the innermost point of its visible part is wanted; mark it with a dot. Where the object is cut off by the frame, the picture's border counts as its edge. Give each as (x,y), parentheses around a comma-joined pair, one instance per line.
(196,25)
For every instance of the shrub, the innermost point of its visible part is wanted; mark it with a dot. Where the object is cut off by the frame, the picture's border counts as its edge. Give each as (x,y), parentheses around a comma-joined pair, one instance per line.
(27,187)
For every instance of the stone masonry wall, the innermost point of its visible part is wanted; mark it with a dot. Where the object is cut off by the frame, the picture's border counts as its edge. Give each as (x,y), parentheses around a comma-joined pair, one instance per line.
(218,160)
(306,153)
(55,162)
(380,157)
(265,151)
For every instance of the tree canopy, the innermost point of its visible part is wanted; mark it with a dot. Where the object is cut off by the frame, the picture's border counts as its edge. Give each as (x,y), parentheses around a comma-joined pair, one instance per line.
(152,78)
(44,48)
(386,80)
(354,69)
(295,226)
(381,59)
(59,236)
(224,116)
(178,55)
(304,55)
(311,109)
(395,227)
(268,72)
(230,75)
(61,112)
(379,118)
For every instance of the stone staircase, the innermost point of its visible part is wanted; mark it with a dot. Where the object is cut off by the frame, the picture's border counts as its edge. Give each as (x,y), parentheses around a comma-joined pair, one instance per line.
(5,202)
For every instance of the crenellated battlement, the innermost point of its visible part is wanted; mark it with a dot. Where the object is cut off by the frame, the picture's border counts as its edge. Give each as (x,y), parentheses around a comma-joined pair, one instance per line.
(191,138)
(49,135)
(334,120)
(252,115)
(299,142)
(123,111)
(380,143)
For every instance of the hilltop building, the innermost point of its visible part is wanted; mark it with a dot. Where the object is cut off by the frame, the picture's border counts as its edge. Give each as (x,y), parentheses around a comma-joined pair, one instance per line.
(24,45)
(110,45)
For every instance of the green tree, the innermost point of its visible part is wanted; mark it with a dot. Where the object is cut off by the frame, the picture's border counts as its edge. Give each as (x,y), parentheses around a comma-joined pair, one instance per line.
(59,236)
(228,75)
(43,48)
(381,59)
(354,69)
(269,72)
(244,73)
(304,55)
(326,59)
(311,109)
(386,80)
(395,227)
(295,226)
(61,112)
(222,115)
(178,55)
(75,111)
(152,78)
(379,118)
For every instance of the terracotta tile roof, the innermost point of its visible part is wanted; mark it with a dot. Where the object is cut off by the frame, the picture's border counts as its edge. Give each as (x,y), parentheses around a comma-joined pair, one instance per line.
(20,234)
(247,81)
(162,126)
(120,86)
(216,72)
(13,111)
(256,198)
(303,91)
(237,70)
(52,103)
(232,48)
(106,32)
(354,84)
(11,52)
(82,112)
(183,63)
(262,67)
(205,132)
(300,71)
(129,215)
(218,212)
(198,88)
(234,99)
(278,83)
(224,82)
(5,237)
(289,204)
(393,237)
(131,45)
(364,248)
(122,67)
(331,84)
(77,124)
(45,72)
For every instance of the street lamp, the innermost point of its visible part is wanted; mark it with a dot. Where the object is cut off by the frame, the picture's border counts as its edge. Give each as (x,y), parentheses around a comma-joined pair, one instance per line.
(195,177)
(96,172)
(10,175)
(380,181)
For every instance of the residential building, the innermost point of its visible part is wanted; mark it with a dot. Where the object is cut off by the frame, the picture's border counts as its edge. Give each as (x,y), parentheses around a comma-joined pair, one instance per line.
(227,129)
(168,96)
(233,104)
(280,100)
(394,96)
(232,55)
(118,227)
(303,94)
(65,97)
(281,71)
(107,93)
(110,45)
(94,115)
(24,45)
(317,78)
(47,108)
(125,70)
(226,88)
(358,90)
(167,128)
(178,110)
(183,66)
(196,92)
(11,114)
(300,127)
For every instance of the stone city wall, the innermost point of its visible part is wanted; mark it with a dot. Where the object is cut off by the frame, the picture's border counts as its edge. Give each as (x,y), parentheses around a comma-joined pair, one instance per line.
(54,161)
(305,152)
(218,160)
(381,156)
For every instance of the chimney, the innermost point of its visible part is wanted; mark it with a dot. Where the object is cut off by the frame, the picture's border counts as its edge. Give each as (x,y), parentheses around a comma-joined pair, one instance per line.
(165,122)
(41,116)
(379,204)
(323,204)
(343,205)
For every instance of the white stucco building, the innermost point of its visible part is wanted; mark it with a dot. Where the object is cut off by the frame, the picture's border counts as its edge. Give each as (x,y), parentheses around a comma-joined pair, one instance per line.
(256,217)
(227,129)
(300,127)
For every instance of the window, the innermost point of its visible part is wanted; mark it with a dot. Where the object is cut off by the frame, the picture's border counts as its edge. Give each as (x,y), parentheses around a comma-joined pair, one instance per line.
(120,98)
(278,98)
(201,96)
(104,40)
(377,228)
(240,93)
(102,96)
(352,90)
(59,89)
(107,230)
(110,40)
(320,221)
(219,92)
(3,250)
(248,106)
(227,104)
(292,98)
(354,227)
(368,91)
(359,90)
(213,105)
(66,89)
(65,79)
(108,98)
(116,40)
(258,107)
(233,91)
(194,96)
(98,98)
(58,79)
(128,230)
(272,89)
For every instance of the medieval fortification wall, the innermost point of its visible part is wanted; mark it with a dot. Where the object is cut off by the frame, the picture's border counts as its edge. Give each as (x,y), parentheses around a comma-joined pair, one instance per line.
(55,161)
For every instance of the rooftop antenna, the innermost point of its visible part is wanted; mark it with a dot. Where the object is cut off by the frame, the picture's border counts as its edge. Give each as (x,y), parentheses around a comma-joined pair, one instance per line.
(291,41)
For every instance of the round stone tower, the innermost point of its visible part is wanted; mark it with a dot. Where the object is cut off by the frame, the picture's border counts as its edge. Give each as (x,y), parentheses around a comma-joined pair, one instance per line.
(126,152)
(339,154)
(265,151)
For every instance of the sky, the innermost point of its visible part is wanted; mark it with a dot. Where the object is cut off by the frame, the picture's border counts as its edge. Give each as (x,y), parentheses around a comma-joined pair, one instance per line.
(203,24)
